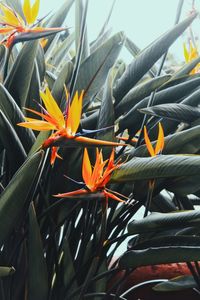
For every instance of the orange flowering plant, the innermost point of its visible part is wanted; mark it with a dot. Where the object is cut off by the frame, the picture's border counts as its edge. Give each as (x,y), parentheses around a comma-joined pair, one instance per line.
(24,27)
(96,179)
(66,238)
(65,126)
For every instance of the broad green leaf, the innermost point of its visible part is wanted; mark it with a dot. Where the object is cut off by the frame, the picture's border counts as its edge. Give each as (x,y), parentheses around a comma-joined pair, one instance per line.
(139,92)
(6,271)
(42,136)
(12,144)
(79,14)
(133,118)
(146,59)
(93,71)
(30,36)
(161,255)
(58,18)
(19,77)
(68,266)
(174,111)
(106,115)
(176,284)
(161,166)
(33,97)
(37,269)
(135,50)
(90,122)
(14,116)
(165,221)
(59,55)
(16,195)
(62,79)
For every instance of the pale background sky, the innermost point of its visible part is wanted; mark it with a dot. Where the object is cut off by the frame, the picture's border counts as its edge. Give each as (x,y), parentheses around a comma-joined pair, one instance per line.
(141,20)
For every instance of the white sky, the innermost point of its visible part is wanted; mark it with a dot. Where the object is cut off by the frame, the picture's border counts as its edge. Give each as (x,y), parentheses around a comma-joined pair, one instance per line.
(141,20)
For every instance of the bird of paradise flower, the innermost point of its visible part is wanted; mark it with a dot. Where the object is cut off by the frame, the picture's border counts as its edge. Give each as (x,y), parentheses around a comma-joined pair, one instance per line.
(153,152)
(96,178)
(190,54)
(65,125)
(24,28)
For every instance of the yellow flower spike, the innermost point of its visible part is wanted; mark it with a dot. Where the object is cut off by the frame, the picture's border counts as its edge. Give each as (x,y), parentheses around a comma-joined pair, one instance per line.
(148,142)
(75,111)
(86,168)
(186,53)
(31,13)
(160,141)
(95,180)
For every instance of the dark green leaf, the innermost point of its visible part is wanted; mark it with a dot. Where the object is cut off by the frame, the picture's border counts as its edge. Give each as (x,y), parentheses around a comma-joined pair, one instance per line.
(176,284)
(15,195)
(93,71)
(146,59)
(161,166)
(162,255)
(139,92)
(133,118)
(162,221)
(37,271)
(18,80)
(58,18)
(14,116)
(186,69)
(178,112)
(12,144)
(106,114)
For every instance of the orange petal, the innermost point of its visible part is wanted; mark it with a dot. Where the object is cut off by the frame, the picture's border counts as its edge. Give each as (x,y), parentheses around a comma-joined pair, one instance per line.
(36,125)
(49,119)
(35,10)
(160,141)
(86,168)
(148,143)
(54,155)
(10,17)
(6,30)
(112,196)
(71,194)
(52,107)
(90,141)
(75,111)
(27,11)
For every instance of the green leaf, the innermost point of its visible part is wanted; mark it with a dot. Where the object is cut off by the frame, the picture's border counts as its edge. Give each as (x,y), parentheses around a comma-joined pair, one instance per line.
(14,116)
(12,144)
(161,166)
(146,59)
(174,111)
(37,269)
(79,13)
(176,284)
(16,195)
(186,69)
(94,70)
(58,18)
(42,136)
(162,255)
(30,36)
(139,92)
(62,79)
(165,221)
(106,114)
(133,118)
(6,271)
(18,80)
